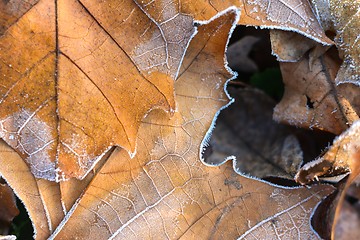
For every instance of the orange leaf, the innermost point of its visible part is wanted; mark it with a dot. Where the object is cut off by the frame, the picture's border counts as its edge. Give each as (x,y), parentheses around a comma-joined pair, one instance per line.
(71,87)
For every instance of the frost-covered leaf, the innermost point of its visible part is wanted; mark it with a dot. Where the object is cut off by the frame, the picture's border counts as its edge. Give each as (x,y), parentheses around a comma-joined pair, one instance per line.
(165,191)
(346,18)
(342,156)
(313,100)
(247,132)
(40,197)
(77,79)
(293,15)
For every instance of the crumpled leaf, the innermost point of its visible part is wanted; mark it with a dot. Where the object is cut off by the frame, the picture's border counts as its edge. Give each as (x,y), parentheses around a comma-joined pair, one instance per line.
(342,157)
(165,191)
(247,132)
(340,17)
(8,208)
(346,18)
(312,99)
(72,84)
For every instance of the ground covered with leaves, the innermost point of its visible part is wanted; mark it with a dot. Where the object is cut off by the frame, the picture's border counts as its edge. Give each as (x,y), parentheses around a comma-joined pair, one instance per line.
(169,119)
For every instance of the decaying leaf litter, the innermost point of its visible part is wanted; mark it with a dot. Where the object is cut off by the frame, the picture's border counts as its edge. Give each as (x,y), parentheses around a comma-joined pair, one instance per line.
(165,173)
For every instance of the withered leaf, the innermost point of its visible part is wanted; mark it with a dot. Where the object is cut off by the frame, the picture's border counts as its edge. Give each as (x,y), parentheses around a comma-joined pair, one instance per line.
(165,191)
(246,131)
(294,15)
(343,156)
(312,99)
(77,79)
(346,19)
(341,17)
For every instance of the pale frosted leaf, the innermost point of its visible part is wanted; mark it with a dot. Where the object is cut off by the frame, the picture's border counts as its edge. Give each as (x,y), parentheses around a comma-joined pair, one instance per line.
(313,100)
(165,191)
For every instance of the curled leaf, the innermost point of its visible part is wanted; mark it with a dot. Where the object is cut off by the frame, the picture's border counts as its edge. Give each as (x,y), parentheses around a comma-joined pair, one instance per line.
(312,99)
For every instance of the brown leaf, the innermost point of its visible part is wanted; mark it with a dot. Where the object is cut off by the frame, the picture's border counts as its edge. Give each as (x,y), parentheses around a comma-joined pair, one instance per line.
(346,20)
(313,100)
(72,85)
(247,132)
(341,157)
(165,191)
(294,15)
(291,47)
(8,208)
(347,227)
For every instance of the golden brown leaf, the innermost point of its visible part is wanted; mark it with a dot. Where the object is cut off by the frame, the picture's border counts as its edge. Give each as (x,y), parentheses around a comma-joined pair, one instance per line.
(166,192)
(313,100)
(342,157)
(71,87)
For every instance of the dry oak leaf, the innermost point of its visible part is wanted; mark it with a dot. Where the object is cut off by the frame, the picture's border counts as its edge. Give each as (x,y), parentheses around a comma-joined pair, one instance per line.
(342,157)
(73,82)
(343,19)
(55,55)
(312,99)
(165,191)
(294,15)
(346,18)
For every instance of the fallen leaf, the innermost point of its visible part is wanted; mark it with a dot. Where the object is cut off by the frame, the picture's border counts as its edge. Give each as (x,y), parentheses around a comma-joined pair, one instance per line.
(247,132)
(347,227)
(338,159)
(312,99)
(294,15)
(72,85)
(340,17)
(165,191)
(342,157)
(291,46)
(346,19)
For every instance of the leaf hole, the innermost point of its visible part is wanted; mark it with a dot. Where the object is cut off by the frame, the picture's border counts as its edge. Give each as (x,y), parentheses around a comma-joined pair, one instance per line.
(309,103)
